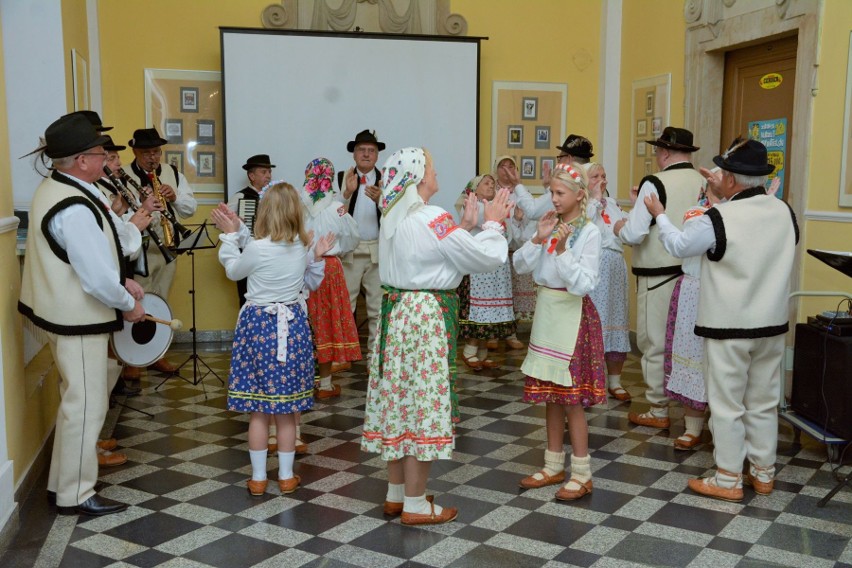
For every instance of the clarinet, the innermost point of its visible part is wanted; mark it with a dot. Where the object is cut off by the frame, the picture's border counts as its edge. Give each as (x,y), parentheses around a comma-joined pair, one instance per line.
(134,205)
(183,231)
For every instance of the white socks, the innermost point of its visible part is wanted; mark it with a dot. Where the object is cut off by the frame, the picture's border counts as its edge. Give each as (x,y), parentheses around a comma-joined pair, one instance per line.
(258,464)
(396,492)
(694,425)
(613,381)
(469,350)
(728,480)
(325,383)
(419,505)
(581,471)
(285,464)
(554,462)
(762,474)
(659,411)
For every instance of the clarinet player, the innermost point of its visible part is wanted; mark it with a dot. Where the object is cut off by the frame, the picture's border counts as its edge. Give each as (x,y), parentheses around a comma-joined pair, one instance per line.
(177,197)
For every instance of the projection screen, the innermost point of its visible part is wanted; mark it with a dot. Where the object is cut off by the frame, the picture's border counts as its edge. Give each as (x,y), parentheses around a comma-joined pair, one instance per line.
(301,95)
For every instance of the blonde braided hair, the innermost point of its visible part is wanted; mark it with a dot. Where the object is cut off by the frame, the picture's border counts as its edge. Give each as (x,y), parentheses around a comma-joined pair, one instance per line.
(575,179)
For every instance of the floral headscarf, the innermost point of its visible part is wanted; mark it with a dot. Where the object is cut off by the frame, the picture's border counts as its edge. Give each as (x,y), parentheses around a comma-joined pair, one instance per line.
(318,188)
(400,175)
(470,188)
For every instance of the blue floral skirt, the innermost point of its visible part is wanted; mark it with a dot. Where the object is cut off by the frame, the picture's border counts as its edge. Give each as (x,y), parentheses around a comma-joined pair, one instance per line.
(258,382)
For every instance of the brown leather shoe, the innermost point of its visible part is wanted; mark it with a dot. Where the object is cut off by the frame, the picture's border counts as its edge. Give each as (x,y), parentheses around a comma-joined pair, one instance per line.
(472,362)
(531,482)
(760,487)
(619,393)
(301,447)
(446,515)
(489,364)
(392,508)
(492,344)
(565,494)
(339,367)
(131,373)
(648,419)
(707,486)
(163,366)
(513,343)
(687,441)
(326,394)
(289,485)
(108,445)
(111,459)
(257,488)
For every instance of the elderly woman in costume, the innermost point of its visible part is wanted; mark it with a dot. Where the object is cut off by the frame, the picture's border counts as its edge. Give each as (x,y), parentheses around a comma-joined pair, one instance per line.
(423,254)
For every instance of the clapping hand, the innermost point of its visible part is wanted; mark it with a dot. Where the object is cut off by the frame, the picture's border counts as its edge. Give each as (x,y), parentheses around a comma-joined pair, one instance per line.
(546,172)
(323,245)
(471,212)
(511,174)
(546,225)
(498,208)
(562,233)
(654,205)
(225,220)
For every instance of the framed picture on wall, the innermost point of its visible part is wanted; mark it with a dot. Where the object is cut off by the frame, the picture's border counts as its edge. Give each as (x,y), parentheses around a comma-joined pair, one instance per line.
(640,148)
(529,109)
(527,167)
(649,102)
(188,99)
(546,163)
(657,126)
(650,109)
(174,130)
(648,167)
(175,158)
(542,137)
(641,127)
(515,136)
(206,132)
(206,164)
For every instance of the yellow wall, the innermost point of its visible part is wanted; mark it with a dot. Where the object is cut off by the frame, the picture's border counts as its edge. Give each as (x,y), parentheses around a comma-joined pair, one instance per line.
(75,35)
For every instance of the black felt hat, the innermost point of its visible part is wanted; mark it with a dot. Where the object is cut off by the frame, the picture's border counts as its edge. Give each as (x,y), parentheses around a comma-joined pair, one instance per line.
(94,118)
(672,138)
(746,157)
(258,161)
(111,146)
(69,135)
(365,136)
(577,146)
(146,138)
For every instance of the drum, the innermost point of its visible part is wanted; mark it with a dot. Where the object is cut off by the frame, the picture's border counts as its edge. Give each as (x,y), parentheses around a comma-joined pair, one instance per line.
(143,343)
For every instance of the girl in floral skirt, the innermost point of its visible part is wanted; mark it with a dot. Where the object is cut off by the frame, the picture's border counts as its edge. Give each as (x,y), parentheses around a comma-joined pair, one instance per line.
(272,363)
(565,361)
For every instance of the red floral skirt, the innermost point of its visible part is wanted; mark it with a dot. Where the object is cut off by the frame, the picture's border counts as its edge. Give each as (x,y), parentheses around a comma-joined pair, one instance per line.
(335,333)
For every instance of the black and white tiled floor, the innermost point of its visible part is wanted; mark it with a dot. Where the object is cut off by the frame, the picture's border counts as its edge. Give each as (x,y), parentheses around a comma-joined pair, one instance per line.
(185,481)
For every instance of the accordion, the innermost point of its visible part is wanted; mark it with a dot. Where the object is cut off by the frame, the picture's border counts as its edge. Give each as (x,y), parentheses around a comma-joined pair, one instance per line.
(247,209)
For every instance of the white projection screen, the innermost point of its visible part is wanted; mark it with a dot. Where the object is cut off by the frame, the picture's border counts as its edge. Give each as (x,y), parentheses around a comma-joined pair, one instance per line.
(301,95)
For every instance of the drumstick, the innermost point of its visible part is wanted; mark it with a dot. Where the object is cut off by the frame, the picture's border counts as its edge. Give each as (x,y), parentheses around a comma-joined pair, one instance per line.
(175,324)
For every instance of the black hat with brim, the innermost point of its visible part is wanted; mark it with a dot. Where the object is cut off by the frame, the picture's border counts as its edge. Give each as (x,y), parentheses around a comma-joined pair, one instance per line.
(577,146)
(365,137)
(69,135)
(94,118)
(677,139)
(146,138)
(748,158)
(258,161)
(111,146)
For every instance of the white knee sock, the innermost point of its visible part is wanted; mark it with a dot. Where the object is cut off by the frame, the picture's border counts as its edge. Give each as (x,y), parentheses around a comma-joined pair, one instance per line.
(396,492)
(694,425)
(285,464)
(581,468)
(613,381)
(258,464)
(325,383)
(469,351)
(554,462)
(419,505)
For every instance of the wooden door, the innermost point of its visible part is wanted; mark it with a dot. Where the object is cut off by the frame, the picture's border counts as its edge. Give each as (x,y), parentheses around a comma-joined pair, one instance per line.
(757,100)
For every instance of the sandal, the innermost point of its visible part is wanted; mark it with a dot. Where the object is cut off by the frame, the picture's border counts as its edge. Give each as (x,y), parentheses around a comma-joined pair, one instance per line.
(686,441)
(619,393)
(489,364)
(472,362)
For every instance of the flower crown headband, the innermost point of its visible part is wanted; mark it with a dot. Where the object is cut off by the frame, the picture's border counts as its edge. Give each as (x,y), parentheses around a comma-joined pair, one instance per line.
(574,174)
(268,185)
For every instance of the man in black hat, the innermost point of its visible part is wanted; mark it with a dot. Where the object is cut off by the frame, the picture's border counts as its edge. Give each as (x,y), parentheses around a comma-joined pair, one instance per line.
(360,187)
(74,287)
(677,185)
(146,170)
(750,241)
(259,171)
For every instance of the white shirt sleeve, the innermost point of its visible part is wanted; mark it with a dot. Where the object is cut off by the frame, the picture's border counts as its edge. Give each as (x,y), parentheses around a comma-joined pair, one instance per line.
(534,207)
(579,267)
(76,231)
(697,236)
(238,265)
(314,271)
(470,254)
(527,257)
(639,219)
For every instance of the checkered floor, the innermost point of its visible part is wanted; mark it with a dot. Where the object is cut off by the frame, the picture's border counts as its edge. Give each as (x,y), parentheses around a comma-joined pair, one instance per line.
(188,465)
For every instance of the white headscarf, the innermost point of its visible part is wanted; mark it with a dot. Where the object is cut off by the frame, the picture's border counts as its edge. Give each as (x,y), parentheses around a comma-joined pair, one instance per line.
(400,175)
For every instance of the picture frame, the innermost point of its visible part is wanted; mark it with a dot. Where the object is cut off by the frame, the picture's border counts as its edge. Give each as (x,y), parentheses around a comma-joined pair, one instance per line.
(649,103)
(173,131)
(528,167)
(641,127)
(545,162)
(640,148)
(657,126)
(205,164)
(515,136)
(205,132)
(542,137)
(189,99)
(649,167)
(529,108)
(174,158)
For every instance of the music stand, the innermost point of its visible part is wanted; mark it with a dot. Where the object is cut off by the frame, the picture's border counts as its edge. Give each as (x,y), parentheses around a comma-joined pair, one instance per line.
(199,239)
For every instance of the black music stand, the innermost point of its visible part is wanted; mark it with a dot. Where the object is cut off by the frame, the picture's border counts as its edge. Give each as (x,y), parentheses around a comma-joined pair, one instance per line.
(199,239)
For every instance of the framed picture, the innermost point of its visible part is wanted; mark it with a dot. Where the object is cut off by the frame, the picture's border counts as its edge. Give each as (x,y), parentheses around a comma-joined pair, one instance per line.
(649,102)
(640,147)
(174,130)
(546,163)
(206,164)
(542,137)
(527,167)
(641,127)
(206,132)
(175,158)
(648,167)
(529,109)
(515,136)
(657,126)
(189,99)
